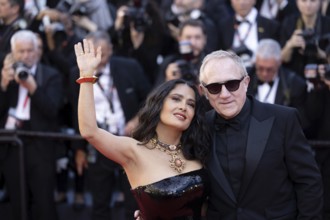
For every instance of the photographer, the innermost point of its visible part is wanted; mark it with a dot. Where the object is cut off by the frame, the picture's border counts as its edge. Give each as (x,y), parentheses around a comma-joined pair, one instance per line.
(186,63)
(30,97)
(176,12)
(302,37)
(319,111)
(139,32)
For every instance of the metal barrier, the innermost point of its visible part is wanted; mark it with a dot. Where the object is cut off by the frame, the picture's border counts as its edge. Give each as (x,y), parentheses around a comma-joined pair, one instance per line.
(12,137)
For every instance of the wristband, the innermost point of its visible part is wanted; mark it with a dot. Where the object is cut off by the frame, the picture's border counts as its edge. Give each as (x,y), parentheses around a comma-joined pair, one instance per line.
(91,79)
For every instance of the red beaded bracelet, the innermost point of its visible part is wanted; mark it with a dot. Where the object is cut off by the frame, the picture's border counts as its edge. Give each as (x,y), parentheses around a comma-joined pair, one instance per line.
(86,79)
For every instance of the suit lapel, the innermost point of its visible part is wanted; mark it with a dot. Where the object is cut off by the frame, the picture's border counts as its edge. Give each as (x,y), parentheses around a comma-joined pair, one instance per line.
(279,97)
(259,132)
(260,28)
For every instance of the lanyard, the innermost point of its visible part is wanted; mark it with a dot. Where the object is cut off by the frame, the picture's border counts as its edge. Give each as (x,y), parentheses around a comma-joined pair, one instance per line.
(242,40)
(108,94)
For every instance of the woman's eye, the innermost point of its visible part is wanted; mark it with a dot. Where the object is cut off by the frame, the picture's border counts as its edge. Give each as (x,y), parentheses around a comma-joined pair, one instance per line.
(191,105)
(176,98)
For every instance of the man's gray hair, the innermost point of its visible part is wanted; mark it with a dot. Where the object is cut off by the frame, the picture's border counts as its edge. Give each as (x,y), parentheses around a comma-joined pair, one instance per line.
(221,54)
(24,36)
(269,49)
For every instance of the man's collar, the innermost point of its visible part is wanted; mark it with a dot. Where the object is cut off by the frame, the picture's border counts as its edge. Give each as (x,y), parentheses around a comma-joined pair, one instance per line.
(33,69)
(251,17)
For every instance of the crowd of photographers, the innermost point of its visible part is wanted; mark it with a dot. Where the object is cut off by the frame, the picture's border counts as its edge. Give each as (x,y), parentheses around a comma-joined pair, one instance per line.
(285,45)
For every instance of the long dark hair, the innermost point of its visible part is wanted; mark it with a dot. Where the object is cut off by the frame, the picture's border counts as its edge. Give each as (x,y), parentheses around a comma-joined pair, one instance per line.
(195,140)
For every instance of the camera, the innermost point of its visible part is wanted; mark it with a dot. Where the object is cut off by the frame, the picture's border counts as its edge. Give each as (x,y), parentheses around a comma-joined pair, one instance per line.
(311,42)
(137,14)
(59,33)
(171,18)
(244,52)
(327,71)
(187,69)
(21,70)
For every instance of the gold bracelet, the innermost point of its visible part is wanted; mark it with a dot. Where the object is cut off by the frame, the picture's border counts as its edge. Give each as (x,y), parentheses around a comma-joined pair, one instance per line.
(91,79)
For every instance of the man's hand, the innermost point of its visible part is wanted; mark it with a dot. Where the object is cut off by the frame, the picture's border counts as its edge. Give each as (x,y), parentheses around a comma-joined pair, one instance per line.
(29,83)
(7,72)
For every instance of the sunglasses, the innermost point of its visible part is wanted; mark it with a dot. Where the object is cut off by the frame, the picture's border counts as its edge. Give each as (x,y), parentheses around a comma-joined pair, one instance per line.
(231,86)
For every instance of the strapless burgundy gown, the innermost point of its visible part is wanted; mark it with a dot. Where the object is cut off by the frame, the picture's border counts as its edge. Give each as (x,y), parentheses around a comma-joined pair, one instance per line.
(177,198)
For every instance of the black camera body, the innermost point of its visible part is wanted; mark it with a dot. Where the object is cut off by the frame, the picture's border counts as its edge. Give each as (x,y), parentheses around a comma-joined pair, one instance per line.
(327,71)
(244,52)
(21,70)
(310,42)
(187,70)
(137,14)
(171,18)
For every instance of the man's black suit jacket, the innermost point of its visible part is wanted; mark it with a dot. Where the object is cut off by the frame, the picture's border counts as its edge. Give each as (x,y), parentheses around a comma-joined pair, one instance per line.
(280,180)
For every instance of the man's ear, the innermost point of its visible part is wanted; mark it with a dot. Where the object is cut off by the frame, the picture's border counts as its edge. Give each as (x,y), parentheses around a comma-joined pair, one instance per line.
(246,82)
(202,91)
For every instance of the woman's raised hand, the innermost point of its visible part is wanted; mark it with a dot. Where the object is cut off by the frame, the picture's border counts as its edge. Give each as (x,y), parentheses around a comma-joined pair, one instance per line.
(87,58)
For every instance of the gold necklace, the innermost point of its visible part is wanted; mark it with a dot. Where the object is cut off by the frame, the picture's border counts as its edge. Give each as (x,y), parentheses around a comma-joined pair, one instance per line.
(176,162)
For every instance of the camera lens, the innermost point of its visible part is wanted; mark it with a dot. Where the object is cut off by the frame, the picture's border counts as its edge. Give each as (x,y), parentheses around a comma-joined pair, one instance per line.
(23,75)
(21,70)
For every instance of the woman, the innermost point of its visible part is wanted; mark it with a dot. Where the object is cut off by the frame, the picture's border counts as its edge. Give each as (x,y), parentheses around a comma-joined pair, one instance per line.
(303,36)
(164,160)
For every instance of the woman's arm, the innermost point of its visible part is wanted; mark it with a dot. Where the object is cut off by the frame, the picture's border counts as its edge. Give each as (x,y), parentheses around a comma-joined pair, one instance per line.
(118,149)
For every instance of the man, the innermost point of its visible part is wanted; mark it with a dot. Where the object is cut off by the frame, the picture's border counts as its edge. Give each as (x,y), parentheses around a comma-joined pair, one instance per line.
(272,83)
(11,21)
(119,93)
(185,64)
(244,29)
(30,97)
(261,166)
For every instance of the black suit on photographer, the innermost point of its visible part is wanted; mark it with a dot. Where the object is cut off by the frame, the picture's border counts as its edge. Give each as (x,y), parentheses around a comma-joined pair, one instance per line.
(315,38)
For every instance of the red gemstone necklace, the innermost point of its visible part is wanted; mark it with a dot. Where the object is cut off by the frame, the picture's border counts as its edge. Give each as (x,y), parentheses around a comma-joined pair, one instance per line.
(176,162)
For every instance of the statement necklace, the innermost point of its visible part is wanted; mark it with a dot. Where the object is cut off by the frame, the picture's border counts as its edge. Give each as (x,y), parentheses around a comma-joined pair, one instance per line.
(176,162)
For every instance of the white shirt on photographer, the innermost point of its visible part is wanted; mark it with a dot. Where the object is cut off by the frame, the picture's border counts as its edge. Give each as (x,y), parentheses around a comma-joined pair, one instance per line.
(22,110)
